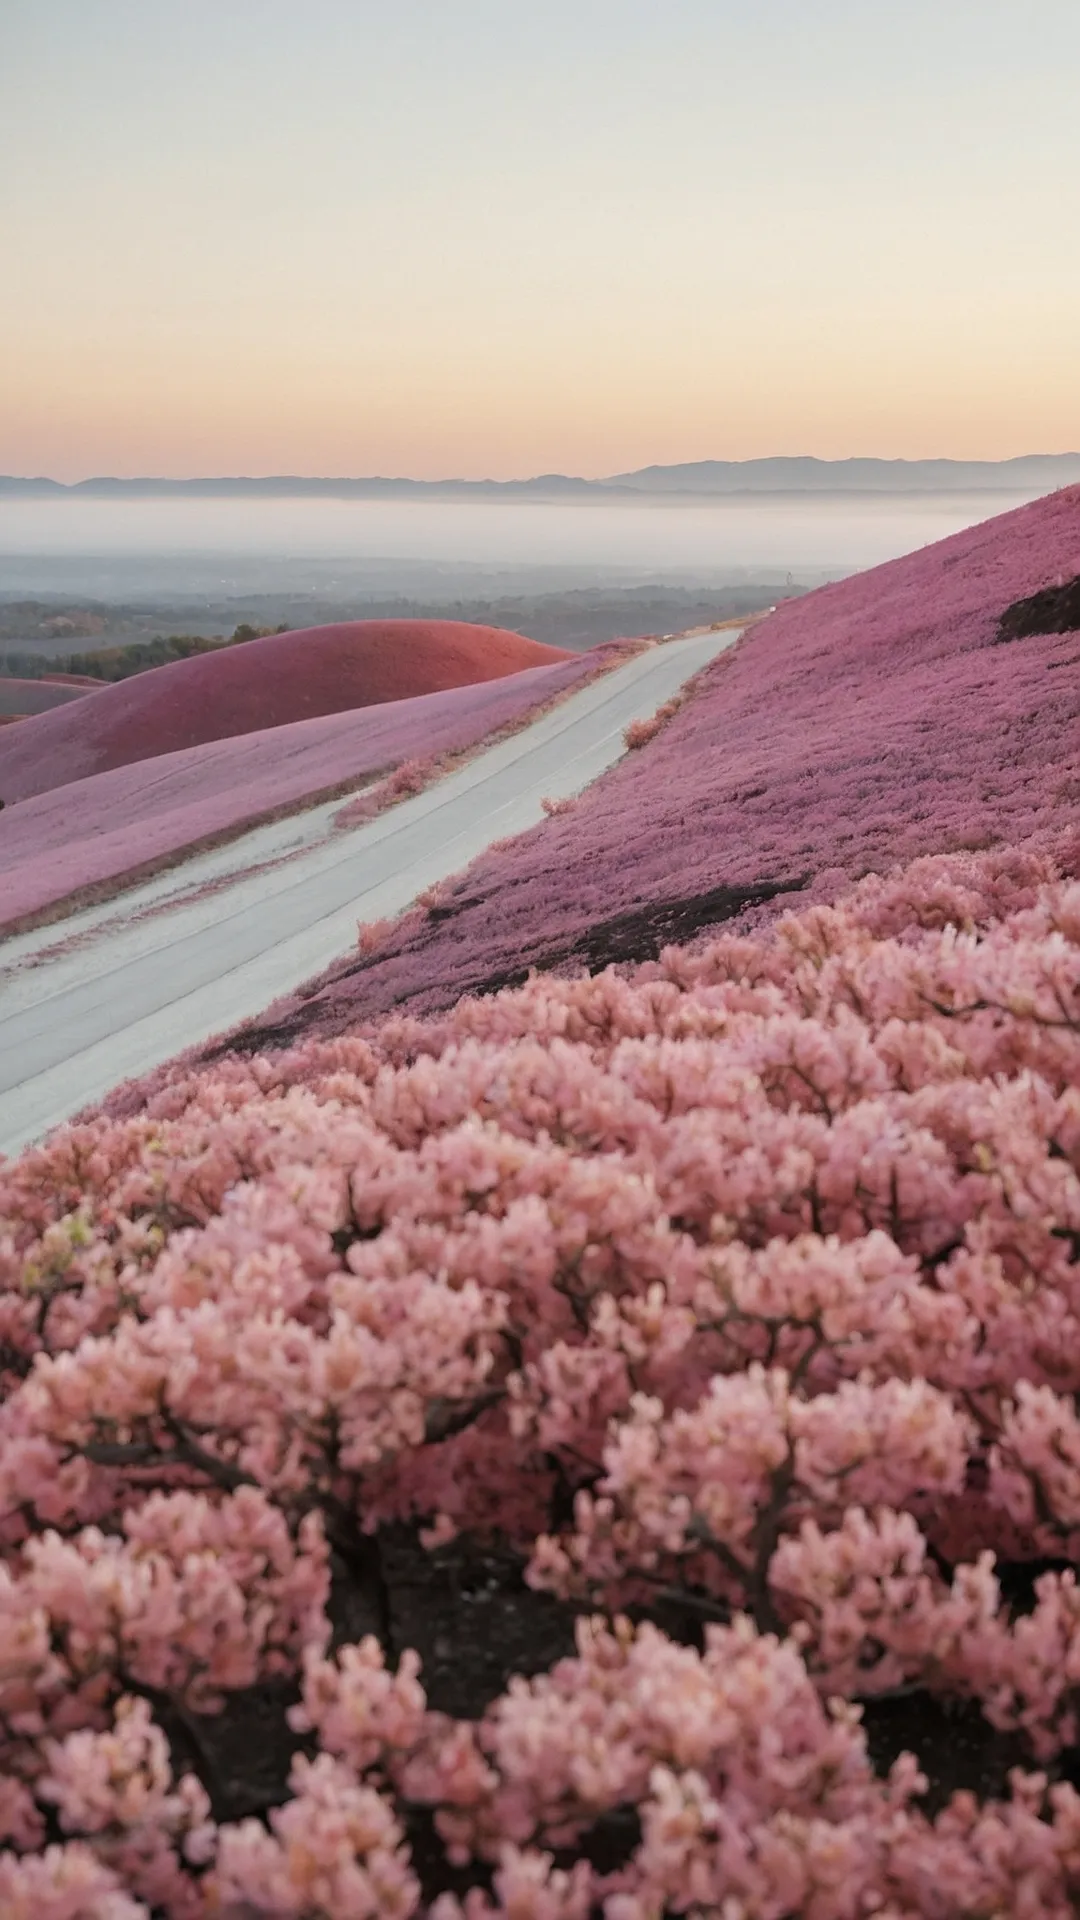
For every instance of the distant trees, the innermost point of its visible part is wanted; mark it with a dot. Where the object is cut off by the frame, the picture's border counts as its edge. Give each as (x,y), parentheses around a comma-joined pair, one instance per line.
(245,631)
(120,663)
(24,666)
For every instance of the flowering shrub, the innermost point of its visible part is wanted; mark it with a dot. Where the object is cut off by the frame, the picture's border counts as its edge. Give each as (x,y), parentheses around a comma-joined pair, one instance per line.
(410,777)
(372,934)
(736,1300)
(640,732)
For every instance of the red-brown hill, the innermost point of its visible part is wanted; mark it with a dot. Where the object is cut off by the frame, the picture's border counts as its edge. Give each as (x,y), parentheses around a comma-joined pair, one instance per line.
(263,683)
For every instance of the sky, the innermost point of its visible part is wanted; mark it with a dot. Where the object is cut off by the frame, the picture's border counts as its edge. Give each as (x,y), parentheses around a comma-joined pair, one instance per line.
(485,238)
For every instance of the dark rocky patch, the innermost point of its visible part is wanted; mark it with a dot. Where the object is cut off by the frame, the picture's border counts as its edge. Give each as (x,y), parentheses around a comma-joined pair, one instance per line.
(641,933)
(1051,610)
(242,1755)
(265,1038)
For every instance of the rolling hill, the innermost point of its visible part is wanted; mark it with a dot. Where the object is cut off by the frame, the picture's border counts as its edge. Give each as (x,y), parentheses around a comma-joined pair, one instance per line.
(21,699)
(81,839)
(266,683)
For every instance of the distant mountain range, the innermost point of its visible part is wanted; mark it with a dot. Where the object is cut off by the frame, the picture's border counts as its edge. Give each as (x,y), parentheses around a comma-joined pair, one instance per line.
(1032,474)
(1042,471)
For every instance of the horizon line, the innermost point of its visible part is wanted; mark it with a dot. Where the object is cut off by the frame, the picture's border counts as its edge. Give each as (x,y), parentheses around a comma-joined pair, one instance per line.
(633,480)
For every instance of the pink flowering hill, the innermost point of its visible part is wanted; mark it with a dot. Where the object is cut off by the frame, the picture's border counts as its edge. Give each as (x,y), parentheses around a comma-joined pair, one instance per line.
(606,1447)
(246,689)
(74,841)
(875,720)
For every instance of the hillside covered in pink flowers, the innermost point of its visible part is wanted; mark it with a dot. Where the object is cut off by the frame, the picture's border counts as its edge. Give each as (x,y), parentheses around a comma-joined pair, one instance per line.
(605,1447)
(867,723)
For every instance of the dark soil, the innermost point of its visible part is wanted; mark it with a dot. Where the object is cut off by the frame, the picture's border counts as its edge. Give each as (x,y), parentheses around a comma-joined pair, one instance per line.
(1053,610)
(644,931)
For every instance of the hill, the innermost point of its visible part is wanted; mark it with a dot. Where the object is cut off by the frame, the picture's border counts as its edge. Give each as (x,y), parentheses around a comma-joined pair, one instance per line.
(265,683)
(1036,473)
(870,722)
(80,839)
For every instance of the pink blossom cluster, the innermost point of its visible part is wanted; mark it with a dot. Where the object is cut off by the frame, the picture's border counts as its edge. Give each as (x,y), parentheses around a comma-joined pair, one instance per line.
(748,1284)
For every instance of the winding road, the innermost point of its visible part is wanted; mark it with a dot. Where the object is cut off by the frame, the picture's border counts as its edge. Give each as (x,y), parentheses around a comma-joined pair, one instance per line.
(113,991)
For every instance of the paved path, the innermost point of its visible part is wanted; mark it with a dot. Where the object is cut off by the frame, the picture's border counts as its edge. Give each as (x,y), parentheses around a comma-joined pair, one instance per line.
(106,995)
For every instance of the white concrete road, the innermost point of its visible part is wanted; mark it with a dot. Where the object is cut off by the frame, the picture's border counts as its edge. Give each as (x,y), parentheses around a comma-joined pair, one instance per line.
(113,991)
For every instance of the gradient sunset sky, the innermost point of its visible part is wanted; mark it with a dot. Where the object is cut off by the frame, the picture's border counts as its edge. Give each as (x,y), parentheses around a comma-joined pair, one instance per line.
(479,237)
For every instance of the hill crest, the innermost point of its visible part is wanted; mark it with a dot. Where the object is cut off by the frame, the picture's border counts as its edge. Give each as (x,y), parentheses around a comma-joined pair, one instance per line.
(266,683)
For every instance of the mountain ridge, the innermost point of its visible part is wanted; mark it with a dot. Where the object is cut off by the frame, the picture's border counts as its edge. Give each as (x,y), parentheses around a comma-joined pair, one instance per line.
(780,474)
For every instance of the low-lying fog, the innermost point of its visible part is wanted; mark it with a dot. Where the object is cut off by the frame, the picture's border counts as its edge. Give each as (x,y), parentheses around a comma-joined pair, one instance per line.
(82,546)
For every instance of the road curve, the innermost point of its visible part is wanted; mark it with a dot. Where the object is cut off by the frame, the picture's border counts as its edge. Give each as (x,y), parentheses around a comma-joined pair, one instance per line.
(126,993)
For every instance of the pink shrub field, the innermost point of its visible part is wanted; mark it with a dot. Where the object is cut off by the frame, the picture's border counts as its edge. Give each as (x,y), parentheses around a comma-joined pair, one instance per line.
(89,833)
(862,725)
(582,1456)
